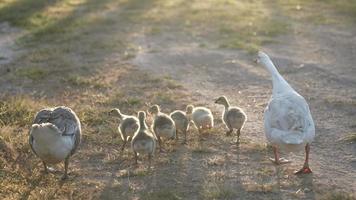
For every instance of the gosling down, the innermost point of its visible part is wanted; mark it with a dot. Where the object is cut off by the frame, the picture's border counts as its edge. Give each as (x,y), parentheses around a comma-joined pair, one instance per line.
(143,142)
(233,117)
(127,127)
(55,136)
(287,118)
(163,125)
(202,117)
(182,123)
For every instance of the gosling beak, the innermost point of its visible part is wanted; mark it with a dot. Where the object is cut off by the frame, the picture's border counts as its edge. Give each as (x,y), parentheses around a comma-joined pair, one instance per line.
(216,101)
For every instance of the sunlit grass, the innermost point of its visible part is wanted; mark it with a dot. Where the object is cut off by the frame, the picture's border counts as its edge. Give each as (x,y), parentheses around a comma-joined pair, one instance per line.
(18,110)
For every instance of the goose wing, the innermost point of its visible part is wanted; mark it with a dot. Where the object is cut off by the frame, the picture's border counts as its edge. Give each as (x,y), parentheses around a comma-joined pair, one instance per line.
(67,121)
(43,116)
(288,120)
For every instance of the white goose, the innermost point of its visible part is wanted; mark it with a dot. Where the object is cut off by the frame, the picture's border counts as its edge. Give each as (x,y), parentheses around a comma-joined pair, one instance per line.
(287,119)
(55,136)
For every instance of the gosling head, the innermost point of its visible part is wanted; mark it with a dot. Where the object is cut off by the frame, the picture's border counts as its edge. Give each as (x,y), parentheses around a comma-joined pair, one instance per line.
(222,100)
(141,115)
(154,110)
(189,109)
(115,112)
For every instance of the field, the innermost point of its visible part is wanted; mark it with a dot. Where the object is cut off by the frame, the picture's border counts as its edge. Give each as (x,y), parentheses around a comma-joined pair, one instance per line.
(94,55)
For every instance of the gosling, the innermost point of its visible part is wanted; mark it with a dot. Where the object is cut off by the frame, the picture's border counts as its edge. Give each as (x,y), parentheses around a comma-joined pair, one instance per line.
(233,117)
(182,123)
(163,125)
(127,127)
(55,136)
(143,141)
(202,117)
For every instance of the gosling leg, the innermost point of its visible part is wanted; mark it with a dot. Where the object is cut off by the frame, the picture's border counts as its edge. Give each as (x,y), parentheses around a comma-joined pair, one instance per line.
(149,160)
(123,145)
(305,169)
(238,135)
(136,157)
(160,144)
(228,133)
(185,137)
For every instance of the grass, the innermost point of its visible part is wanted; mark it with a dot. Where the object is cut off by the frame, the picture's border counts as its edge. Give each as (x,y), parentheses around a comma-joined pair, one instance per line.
(351,137)
(80,44)
(18,110)
(33,73)
(83,82)
(214,190)
(337,195)
(162,194)
(329,12)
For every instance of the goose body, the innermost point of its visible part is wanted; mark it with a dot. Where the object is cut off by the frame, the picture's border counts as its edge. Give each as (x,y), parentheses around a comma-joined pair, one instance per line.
(49,144)
(233,117)
(143,141)
(181,121)
(202,117)
(163,125)
(287,119)
(55,135)
(127,127)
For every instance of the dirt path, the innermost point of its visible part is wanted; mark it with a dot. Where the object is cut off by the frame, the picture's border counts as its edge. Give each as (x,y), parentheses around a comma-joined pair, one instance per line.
(319,61)
(96,55)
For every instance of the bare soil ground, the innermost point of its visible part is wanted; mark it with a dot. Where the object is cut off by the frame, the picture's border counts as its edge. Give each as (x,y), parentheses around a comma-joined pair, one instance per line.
(93,56)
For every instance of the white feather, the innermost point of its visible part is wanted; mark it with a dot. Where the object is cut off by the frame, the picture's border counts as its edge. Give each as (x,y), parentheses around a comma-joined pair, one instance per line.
(287,118)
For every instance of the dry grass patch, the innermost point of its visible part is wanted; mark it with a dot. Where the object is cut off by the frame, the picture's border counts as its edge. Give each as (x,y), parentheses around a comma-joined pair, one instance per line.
(217,190)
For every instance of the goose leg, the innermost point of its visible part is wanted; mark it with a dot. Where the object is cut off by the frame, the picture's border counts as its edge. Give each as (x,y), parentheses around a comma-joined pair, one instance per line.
(45,167)
(277,160)
(305,169)
(177,135)
(66,163)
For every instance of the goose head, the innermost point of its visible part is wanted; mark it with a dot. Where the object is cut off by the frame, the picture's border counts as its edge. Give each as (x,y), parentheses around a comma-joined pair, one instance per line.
(45,132)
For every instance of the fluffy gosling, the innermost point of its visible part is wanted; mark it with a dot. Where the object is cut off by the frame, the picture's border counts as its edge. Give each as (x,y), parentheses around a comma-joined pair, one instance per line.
(143,141)
(127,127)
(233,117)
(182,123)
(163,125)
(202,117)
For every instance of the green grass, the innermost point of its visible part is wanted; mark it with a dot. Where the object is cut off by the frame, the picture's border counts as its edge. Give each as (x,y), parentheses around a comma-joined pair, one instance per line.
(83,82)
(18,110)
(33,73)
